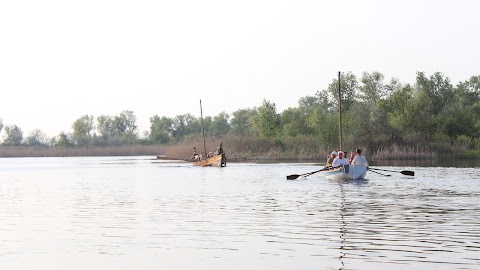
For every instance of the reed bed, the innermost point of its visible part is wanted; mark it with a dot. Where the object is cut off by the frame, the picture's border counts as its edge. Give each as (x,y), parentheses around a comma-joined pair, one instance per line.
(127,150)
(240,149)
(396,152)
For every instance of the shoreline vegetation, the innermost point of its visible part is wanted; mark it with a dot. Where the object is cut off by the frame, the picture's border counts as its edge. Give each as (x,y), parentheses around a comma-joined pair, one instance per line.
(430,119)
(241,149)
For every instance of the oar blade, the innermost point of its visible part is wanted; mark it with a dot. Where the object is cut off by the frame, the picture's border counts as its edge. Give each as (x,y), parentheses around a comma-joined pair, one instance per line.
(293,176)
(410,173)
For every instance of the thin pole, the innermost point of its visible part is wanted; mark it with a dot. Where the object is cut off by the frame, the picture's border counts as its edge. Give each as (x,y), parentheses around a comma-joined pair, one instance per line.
(340,111)
(203,131)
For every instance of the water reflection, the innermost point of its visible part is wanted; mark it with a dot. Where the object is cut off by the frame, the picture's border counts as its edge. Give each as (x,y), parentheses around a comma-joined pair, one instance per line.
(175,216)
(343,227)
(431,226)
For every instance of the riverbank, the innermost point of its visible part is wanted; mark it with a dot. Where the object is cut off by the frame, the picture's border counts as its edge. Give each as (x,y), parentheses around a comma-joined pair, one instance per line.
(244,149)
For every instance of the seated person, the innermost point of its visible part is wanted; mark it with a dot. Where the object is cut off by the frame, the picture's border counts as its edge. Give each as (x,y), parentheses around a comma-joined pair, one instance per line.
(330,159)
(360,159)
(195,155)
(352,155)
(339,161)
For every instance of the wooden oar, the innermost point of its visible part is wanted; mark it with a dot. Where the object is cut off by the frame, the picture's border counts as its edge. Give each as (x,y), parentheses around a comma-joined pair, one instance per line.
(379,173)
(295,176)
(171,158)
(410,173)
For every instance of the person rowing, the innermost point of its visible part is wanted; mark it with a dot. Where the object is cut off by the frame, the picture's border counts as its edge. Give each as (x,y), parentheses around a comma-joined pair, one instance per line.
(360,159)
(339,161)
(330,159)
(195,155)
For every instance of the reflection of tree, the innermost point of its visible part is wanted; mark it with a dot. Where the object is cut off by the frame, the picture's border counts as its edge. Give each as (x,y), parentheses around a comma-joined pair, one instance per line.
(343,226)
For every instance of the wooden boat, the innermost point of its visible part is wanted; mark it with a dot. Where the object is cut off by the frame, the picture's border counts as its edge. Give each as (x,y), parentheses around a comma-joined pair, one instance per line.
(347,172)
(217,161)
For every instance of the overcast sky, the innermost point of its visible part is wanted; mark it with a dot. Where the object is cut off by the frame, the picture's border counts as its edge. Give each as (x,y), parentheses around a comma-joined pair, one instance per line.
(63,59)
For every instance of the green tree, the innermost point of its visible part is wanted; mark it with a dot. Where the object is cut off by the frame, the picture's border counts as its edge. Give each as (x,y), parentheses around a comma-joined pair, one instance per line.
(63,140)
(373,87)
(396,105)
(160,129)
(125,126)
(437,88)
(462,115)
(467,93)
(412,114)
(207,123)
(348,88)
(308,103)
(266,122)
(1,125)
(185,125)
(242,122)
(220,125)
(325,101)
(293,122)
(106,128)
(325,126)
(82,127)
(36,138)
(13,135)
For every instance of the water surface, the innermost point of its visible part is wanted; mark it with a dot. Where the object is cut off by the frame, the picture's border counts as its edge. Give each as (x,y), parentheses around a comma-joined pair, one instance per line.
(140,213)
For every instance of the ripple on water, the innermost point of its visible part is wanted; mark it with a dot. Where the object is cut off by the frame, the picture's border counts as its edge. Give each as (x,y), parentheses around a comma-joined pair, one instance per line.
(242,216)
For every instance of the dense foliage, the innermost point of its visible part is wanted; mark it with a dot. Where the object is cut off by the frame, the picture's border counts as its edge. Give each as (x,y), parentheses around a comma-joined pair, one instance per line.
(376,113)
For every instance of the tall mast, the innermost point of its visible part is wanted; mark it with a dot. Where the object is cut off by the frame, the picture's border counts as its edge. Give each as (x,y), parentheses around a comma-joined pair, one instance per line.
(339,111)
(203,131)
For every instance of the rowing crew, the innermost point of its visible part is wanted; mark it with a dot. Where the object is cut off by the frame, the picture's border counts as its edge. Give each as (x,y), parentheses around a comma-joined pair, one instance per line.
(197,157)
(337,160)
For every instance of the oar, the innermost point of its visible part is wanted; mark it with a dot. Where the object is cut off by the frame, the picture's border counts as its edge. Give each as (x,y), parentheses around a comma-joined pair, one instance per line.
(171,158)
(379,173)
(411,173)
(295,176)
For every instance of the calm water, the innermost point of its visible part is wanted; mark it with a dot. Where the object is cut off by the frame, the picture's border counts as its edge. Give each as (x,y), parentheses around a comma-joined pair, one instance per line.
(140,213)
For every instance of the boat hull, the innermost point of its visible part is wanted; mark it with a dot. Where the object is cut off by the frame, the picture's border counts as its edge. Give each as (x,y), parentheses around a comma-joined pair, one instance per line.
(348,172)
(216,161)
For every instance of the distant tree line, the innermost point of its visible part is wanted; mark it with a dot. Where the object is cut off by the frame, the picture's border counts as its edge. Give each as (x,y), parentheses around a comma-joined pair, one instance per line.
(376,112)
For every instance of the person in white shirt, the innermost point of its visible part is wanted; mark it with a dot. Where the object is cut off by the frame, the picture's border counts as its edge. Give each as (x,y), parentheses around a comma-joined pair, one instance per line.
(339,161)
(360,159)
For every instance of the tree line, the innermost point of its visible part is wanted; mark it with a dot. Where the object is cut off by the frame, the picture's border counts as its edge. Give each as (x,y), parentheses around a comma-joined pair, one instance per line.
(376,112)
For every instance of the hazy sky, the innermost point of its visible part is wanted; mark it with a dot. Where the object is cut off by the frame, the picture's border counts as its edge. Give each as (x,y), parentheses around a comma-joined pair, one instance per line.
(63,59)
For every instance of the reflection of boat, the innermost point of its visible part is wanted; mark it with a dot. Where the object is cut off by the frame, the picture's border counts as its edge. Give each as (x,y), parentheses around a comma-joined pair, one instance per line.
(218,161)
(347,172)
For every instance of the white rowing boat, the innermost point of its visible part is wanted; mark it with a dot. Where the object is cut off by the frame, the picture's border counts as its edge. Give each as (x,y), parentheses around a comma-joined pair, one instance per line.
(347,172)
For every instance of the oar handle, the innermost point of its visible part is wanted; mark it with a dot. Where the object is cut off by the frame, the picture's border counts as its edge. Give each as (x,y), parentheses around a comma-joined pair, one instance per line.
(410,173)
(379,173)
